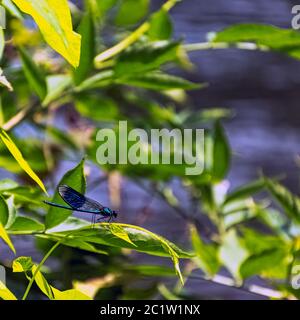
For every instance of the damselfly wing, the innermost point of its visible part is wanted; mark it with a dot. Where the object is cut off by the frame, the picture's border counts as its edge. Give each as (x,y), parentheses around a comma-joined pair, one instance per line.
(79,202)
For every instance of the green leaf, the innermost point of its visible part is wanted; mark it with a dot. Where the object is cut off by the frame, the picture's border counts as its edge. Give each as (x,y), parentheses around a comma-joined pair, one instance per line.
(289,202)
(233,253)
(88,50)
(6,238)
(269,255)
(96,107)
(141,240)
(245,191)
(3,211)
(83,245)
(274,38)
(16,153)
(159,81)
(25,225)
(56,85)
(54,20)
(206,254)
(105,5)
(22,264)
(145,57)
(265,261)
(25,264)
(221,153)
(99,80)
(33,74)
(152,270)
(75,179)
(6,294)
(12,212)
(131,11)
(161,27)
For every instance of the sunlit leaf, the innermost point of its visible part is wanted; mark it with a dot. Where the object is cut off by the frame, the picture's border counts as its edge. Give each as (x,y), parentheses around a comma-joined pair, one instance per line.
(42,283)
(22,264)
(5,293)
(120,233)
(54,20)
(72,294)
(6,238)
(16,153)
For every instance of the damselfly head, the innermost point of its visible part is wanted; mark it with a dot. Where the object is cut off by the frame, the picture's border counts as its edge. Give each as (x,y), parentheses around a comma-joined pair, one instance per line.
(115,214)
(110,212)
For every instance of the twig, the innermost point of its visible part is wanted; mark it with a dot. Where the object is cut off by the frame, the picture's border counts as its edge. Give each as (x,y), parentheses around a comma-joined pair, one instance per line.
(223,45)
(19,117)
(253,289)
(178,210)
(132,38)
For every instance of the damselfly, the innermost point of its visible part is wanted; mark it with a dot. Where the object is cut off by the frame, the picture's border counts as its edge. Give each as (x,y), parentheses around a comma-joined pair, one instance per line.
(79,202)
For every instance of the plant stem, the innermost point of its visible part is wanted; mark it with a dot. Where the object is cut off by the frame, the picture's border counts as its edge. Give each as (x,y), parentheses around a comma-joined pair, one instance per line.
(39,267)
(223,45)
(132,38)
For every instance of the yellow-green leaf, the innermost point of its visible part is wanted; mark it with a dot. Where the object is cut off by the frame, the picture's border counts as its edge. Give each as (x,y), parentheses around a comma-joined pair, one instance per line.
(54,20)
(5,293)
(16,153)
(120,233)
(42,283)
(6,238)
(72,294)
(22,264)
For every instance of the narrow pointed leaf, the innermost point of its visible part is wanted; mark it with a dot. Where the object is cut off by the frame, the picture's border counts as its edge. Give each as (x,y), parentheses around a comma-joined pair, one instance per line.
(16,153)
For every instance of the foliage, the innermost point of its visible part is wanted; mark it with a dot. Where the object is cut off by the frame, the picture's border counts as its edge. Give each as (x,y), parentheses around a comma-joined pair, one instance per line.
(93,83)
